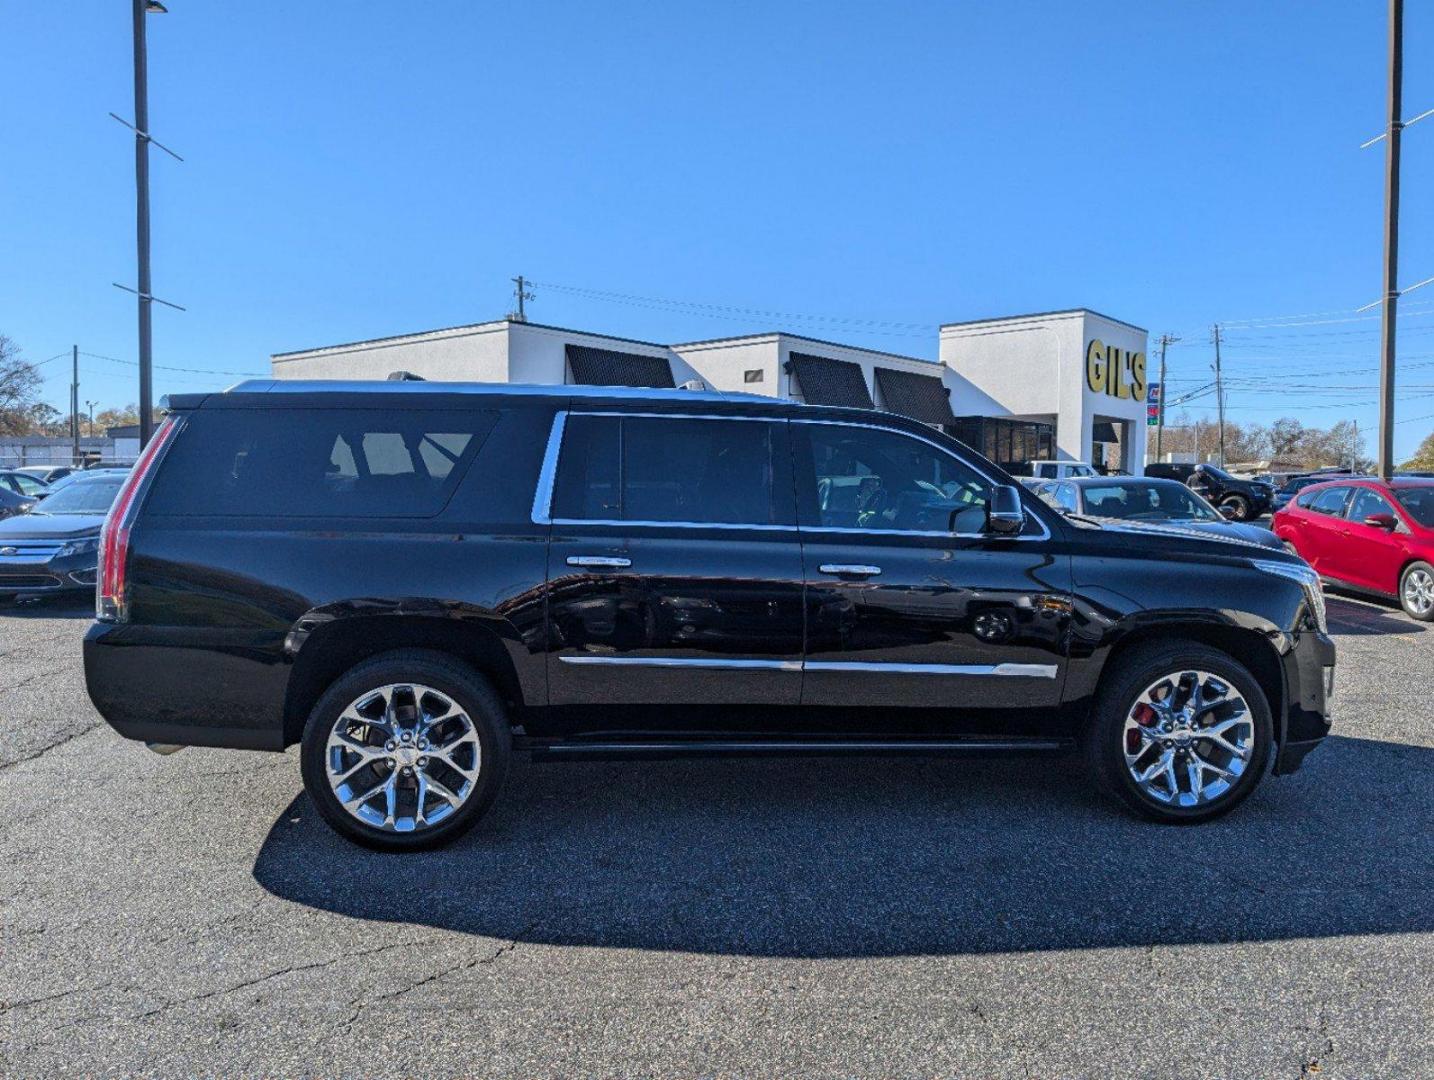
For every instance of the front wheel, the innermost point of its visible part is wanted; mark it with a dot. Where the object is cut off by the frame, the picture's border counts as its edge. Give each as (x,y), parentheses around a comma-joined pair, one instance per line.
(1416,591)
(406,750)
(1238,505)
(1181,732)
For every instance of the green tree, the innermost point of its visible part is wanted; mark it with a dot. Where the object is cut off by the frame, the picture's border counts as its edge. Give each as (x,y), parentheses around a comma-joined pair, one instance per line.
(1423,458)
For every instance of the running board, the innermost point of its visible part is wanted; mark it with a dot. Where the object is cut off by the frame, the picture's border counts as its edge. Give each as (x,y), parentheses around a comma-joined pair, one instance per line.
(542,750)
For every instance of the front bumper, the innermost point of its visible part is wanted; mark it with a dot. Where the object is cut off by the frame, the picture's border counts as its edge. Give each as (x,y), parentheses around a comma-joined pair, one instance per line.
(1309,685)
(29,577)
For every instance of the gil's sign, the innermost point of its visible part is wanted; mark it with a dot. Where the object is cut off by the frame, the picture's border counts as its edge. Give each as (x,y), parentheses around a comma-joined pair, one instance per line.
(1117,372)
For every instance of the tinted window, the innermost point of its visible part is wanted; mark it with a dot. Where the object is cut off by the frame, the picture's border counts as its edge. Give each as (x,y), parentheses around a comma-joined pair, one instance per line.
(1328,500)
(1418,502)
(1367,501)
(654,469)
(1147,501)
(866,478)
(318,462)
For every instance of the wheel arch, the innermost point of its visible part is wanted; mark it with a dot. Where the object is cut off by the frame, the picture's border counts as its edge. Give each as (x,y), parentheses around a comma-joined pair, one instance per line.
(323,647)
(1252,648)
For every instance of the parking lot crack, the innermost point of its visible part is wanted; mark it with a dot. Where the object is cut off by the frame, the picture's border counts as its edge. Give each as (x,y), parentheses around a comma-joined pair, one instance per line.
(249,984)
(48,747)
(10,1006)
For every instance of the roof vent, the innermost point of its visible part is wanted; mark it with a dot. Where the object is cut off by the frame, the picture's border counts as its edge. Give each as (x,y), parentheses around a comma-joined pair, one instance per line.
(404,376)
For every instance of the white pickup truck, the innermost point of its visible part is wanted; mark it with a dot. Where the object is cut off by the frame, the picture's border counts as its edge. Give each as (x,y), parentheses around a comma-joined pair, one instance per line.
(1061,470)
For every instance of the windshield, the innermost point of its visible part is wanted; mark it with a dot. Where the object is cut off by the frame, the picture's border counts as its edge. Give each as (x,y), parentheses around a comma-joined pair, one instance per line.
(1218,474)
(83,497)
(1147,500)
(1418,503)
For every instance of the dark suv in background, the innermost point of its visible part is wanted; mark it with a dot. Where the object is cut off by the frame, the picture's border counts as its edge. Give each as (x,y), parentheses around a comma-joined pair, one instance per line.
(1243,500)
(415,580)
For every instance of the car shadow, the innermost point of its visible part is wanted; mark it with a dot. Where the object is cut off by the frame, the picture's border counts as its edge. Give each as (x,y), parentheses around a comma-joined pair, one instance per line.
(80,605)
(1363,616)
(885,857)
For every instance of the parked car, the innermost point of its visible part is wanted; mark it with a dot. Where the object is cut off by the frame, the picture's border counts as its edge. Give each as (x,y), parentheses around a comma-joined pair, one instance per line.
(23,484)
(1246,499)
(1060,470)
(46,473)
(54,548)
(66,481)
(1371,535)
(1295,484)
(415,580)
(1149,500)
(13,503)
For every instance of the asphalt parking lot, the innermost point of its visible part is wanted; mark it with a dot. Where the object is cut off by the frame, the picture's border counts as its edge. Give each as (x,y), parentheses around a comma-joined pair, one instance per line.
(190,915)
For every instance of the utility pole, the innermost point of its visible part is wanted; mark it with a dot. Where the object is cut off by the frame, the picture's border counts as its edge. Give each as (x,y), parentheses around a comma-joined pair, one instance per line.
(522,294)
(141,196)
(1166,340)
(1219,394)
(75,400)
(1391,238)
(92,405)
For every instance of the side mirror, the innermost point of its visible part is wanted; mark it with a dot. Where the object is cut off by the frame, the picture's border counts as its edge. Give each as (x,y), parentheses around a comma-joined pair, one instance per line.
(1228,513)
(1004,516)
(1381,521)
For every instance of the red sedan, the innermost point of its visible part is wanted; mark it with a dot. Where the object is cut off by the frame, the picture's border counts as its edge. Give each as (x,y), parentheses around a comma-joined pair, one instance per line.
(1373,535)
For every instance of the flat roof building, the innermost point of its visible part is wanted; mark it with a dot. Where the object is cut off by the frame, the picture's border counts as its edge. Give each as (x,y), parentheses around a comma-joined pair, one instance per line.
(1067,384)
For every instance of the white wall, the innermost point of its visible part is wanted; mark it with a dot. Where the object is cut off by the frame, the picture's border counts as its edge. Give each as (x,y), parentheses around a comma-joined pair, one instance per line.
(1035,366)
(721,364)
(462,354)
(537,354)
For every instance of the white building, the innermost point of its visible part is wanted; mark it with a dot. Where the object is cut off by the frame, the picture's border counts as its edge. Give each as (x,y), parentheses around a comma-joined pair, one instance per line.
(1018,389)
(1081,371)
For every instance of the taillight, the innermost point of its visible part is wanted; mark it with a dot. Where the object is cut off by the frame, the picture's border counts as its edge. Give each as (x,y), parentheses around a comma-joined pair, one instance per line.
(111,596)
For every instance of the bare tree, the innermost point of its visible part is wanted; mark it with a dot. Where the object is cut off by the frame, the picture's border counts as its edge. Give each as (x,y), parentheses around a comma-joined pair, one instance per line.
(19,389)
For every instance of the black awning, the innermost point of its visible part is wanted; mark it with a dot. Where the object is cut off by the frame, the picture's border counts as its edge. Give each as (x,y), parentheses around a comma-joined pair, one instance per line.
(1102,431)
(825,381)
(604,367)
(921,397)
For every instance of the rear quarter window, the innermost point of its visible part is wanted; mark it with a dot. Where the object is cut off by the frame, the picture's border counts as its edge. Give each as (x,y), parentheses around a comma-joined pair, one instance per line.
(308,463)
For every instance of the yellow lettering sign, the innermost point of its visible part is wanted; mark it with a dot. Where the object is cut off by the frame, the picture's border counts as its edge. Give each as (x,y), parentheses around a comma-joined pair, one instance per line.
(1117,373)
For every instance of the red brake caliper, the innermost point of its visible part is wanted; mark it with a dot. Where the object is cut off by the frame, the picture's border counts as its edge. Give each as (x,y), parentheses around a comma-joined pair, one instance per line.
(1145,716)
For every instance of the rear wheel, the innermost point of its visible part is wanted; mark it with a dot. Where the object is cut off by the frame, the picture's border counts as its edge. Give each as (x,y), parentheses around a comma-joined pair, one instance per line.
(1181,732)
(406,750)
(1416,591)
(1239,506)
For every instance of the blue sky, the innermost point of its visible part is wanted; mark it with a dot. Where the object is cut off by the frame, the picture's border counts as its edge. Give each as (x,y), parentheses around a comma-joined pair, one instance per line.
(358,169)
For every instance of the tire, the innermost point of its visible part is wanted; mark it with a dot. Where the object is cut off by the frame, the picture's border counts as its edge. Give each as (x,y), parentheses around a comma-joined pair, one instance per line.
(1239,504)
(1121,691)
(1415,595)
(468,760)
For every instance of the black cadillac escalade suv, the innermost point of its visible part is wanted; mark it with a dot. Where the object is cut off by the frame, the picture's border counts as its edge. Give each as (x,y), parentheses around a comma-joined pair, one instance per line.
(412,581)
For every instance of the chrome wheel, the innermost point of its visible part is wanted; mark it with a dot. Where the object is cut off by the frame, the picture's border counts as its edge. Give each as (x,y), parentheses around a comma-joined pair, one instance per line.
(1188,738)
(1419,592)
(402,757)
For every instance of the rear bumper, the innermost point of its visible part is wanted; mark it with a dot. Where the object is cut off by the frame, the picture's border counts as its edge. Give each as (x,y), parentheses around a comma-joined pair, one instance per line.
(187,686)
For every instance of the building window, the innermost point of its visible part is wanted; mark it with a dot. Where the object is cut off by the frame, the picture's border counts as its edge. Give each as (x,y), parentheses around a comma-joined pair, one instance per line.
(752,375)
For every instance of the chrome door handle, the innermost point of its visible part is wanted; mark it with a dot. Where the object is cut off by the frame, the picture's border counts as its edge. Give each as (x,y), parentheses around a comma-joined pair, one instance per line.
(852,569)
(614,561)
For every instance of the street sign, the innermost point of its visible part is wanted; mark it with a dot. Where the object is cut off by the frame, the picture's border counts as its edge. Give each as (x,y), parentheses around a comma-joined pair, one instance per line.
(1155,405)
